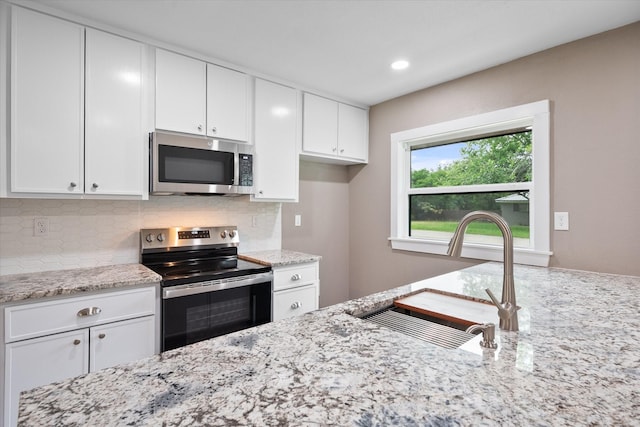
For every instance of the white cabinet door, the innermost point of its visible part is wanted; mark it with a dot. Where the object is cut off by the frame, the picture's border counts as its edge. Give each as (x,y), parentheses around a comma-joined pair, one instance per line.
(276,136)
(47,75)
(121,342)
(180,93)
(39,361)
(320,125)
(227,103)
(352,132)
(114,138)
(334,132)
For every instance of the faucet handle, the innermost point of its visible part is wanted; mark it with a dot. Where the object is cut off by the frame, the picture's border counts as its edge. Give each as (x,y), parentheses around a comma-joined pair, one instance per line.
(505,310)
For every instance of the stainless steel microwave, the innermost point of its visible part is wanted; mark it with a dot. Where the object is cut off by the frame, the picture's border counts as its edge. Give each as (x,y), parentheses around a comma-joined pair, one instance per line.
(183,164)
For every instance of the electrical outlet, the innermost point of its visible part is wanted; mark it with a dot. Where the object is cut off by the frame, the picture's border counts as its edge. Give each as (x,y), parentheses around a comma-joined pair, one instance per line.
(40,226)
(298,220)
(561,221)
(254,221)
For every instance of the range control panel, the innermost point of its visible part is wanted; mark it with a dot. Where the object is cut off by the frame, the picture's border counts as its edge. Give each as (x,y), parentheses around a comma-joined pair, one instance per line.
(194,234)
(175,237)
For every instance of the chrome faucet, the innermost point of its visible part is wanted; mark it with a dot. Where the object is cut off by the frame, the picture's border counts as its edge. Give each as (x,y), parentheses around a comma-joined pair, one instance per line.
(507,308)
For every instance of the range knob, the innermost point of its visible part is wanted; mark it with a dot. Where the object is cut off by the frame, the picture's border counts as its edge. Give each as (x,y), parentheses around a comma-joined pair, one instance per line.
(160,237)
(223,234)
(149,238)
(232,233)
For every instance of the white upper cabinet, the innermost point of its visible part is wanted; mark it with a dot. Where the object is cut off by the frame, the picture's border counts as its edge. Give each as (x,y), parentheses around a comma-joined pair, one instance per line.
(227,103)
(353,132)
(181,85)
(77,111)
(334,132)
(47,95)
(276,139)
(199,98)
(320,125)
(114,134)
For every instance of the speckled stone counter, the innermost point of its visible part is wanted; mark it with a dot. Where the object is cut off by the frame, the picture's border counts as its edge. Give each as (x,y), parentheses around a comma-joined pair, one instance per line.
(18,287)
(277,258)
(575,361)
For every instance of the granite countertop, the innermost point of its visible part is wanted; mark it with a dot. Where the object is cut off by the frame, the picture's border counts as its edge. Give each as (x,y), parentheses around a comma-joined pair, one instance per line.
(19,287)
(278,258)
(575,361)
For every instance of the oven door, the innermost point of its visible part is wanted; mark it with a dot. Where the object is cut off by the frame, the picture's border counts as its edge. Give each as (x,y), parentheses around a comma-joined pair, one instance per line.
(199,311)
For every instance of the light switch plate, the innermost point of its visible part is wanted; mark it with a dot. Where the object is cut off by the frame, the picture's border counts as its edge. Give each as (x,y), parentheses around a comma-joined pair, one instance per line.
(561,221)
(298,220)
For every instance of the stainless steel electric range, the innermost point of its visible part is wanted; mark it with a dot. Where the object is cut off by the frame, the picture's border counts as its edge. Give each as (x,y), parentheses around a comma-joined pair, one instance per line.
(206,290)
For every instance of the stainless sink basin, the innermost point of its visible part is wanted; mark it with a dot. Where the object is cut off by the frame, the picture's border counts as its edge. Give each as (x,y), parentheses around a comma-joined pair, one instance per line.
(434,330)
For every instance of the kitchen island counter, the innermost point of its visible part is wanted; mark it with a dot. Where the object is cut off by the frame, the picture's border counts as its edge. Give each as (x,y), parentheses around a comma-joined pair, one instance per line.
(575,361)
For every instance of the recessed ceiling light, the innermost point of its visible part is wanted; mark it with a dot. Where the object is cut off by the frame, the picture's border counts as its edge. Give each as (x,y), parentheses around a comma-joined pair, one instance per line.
(400,64)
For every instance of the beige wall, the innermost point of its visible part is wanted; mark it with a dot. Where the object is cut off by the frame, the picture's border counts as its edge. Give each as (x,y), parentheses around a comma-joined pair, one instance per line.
(594,88)
(324,230)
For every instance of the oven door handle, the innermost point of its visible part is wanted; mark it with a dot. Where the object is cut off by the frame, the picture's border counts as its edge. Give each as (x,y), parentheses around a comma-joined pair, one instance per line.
(215,285)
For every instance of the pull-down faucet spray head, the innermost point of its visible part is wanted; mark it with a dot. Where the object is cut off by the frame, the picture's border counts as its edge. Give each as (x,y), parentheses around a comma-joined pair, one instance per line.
(507,308)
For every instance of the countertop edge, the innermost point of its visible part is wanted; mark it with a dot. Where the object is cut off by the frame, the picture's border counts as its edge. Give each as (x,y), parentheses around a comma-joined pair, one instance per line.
(27,287)
(279,257)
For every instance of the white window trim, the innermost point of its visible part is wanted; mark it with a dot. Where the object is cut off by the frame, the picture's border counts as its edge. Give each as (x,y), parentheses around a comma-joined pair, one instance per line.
(536,115)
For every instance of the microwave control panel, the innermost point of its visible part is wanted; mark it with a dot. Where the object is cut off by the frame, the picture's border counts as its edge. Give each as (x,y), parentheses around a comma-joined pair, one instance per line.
(245,175)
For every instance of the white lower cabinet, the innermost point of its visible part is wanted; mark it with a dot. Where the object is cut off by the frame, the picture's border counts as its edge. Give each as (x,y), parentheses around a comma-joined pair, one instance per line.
(121,342)
(296,290)
(103,330)
(40,361)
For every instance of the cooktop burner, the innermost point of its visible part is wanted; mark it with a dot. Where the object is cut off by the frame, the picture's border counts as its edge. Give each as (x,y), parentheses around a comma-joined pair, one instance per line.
(195,254)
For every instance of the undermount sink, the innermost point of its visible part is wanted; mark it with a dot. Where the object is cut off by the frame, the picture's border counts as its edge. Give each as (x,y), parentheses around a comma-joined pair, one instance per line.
(434,317)
(425,328)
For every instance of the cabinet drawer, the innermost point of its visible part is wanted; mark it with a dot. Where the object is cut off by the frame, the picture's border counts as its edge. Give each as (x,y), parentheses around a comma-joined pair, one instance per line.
(299,275)
(293,302)
(43,318)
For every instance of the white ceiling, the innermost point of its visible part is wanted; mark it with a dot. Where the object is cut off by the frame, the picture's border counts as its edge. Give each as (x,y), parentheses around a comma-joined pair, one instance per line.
(344,47)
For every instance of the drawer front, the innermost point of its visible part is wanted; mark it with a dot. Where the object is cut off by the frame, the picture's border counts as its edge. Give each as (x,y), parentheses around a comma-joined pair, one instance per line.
(43,318)
(299,275)
(293,302)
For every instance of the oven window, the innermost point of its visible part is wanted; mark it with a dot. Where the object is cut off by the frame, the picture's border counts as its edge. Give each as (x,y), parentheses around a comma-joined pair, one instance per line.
(194,166)
(192,318)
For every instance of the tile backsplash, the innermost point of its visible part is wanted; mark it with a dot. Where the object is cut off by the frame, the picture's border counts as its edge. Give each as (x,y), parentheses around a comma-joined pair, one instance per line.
(88,233)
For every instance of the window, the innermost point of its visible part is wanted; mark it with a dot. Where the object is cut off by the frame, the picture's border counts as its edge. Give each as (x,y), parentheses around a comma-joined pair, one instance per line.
(497,161)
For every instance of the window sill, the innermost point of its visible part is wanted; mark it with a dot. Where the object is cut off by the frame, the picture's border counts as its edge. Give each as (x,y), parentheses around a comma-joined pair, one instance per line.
(472,250)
